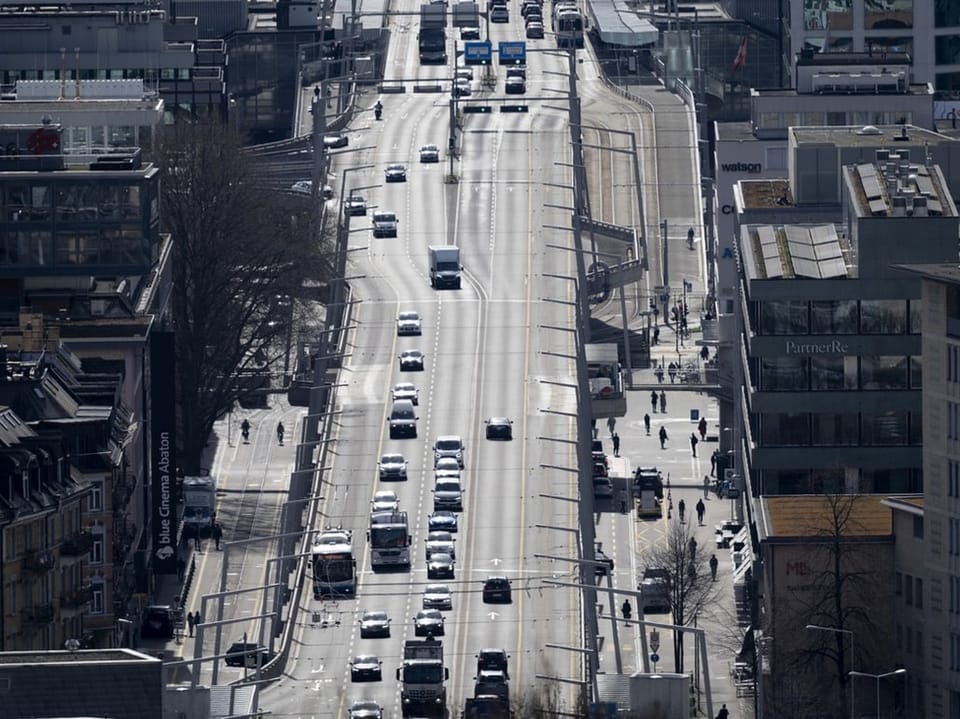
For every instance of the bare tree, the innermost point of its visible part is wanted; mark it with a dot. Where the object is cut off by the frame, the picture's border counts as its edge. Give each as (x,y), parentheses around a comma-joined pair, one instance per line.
(241,255)
(691,587)
(841,589)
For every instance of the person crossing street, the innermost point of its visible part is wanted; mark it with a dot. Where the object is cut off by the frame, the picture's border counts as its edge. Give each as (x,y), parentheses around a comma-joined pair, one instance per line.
(663,437)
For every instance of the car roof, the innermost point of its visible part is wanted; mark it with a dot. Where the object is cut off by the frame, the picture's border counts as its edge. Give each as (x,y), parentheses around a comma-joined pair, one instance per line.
(437,589)
(375,614)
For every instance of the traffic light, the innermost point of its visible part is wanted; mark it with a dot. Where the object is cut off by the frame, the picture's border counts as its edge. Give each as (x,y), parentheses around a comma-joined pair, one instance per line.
(476,109)
(513,108)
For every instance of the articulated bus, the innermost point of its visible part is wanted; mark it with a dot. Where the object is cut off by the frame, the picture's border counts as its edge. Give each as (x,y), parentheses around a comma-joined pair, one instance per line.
(334,567)
(389,539)
(569,29)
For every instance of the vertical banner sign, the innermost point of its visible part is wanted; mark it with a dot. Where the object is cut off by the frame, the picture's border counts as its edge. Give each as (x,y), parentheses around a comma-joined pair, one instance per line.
(163,464)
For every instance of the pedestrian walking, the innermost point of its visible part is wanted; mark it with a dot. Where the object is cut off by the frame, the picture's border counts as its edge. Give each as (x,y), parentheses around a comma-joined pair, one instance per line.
(706,487)
(191,622)
(197,540)
(702,428)
(197,619)
(659,374)
(681,508)
(663,402)
(693,443)
(663,437)
(723,713)
(672,371)
(626,609)
(713,462)
(714,564)
(653,400)
(704,353)
(701,510)
(690,238)
(217,534)
(692,549)
(611,424)
(616,444)
(656,335)
(624,504)
(593,426)
(646,423)
(280,433)
(181,568)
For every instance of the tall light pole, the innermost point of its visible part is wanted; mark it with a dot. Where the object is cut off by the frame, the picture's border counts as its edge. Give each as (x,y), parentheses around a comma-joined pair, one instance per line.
(878,677)
(838,630)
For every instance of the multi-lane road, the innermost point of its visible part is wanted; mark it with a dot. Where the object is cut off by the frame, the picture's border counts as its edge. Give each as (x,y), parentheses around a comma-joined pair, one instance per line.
(502,345)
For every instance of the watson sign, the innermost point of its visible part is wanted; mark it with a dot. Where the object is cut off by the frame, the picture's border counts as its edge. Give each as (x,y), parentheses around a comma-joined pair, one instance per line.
(163,463)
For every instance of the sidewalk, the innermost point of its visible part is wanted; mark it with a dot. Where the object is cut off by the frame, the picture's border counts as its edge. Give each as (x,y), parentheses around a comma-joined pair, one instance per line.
(686,475)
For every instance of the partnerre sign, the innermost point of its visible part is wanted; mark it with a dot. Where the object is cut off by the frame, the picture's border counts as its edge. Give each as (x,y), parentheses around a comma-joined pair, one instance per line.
(816,348)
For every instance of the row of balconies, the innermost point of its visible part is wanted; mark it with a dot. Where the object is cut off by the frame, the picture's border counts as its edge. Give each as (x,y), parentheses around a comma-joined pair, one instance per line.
(44,613)
(42,561)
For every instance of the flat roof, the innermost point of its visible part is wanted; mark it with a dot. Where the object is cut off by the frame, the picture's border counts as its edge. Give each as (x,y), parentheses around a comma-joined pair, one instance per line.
(921,89)
(889,136)
(758,194)
(891,185)
(911,504)
(81,656)
(947,273)
(813,516)
(740,130)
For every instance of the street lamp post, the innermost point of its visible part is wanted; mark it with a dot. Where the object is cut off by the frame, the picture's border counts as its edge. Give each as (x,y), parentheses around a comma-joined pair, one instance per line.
(877,678)
(838,630)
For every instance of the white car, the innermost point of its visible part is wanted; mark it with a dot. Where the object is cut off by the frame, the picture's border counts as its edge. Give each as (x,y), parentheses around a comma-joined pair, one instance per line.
(305,187)
(408,323)
(355,205)
(515,86)
(366,710)
(440,541)
(446,467)
(385,224)
(392,466)
(449,445)
(437,596)
(385,500)
(429,153)
(461,87)
(406,390)
(335,140)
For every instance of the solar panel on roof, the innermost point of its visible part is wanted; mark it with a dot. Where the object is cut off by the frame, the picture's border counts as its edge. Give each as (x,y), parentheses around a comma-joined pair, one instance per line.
(805,252)
(769,251)
(833,268)
(827,251)
(871,185)
(773,267)
(805,268)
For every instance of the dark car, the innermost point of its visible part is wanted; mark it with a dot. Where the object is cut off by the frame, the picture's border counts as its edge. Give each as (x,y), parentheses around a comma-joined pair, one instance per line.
(248,653)
(601,570)
(335,140)
(534,31)
(493,660)
(428,623)
(444,520)
(440,566)
(374,624)
(515,86)
(469,33)
(366,668)
(158,622)
(499,428)
(496,590)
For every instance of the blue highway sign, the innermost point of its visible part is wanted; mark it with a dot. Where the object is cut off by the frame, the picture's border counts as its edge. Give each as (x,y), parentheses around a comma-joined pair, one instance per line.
(513,53)
(477,53)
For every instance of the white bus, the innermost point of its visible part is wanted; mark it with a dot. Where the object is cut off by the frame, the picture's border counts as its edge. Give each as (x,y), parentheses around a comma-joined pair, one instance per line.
(334,567)
(568,27)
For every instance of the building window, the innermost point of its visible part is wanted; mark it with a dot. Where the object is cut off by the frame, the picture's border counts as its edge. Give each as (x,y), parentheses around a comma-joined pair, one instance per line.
(785,430)
(954,652)
(887,14)
(96,496)
(952,418)
(918,593)
(832,430)
(883,372)
(838,15)
(833,373)
(786,317)
(98,604)
(96,551)
(954,594)
(918,527)
(898,584)
(899,637)
(833,317)
(916,372)
(883,317)
(919,644)
(953,364)
(947,49)
(784,374)
(884,428)
(954,548)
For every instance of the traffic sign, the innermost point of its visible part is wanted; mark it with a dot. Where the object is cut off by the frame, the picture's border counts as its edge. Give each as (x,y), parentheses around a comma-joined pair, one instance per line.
(476,109)
(513,108)
(654,657)
(477,52)
(512,53)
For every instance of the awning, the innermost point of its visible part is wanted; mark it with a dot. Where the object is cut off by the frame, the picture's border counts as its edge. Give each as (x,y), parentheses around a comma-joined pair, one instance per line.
(619,25)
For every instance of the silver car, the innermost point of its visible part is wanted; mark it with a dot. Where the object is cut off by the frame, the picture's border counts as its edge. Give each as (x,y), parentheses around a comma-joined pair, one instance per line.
(406,390)
(408,323)
(385,224)
(393,466)
(395,173)
(429,153)
(449,445)
(437,596)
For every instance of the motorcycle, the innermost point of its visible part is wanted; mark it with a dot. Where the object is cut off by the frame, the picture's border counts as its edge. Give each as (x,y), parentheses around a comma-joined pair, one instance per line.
(378,110)
(245,431)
